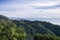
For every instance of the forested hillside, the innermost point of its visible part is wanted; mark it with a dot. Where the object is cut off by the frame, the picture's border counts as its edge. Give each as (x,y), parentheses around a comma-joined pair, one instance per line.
(27,30)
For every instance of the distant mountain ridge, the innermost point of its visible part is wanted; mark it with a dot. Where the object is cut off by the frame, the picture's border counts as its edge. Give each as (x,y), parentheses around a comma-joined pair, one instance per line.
(51,20)
(29,27)
(15,18)
(34,27)
(4,17)
(38,27)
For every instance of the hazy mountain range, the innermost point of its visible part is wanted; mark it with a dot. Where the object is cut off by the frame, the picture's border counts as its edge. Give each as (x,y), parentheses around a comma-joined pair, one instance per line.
(51,20)
(30,27)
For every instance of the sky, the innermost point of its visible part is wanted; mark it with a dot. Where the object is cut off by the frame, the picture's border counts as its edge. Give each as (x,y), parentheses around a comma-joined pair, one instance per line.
(30,8)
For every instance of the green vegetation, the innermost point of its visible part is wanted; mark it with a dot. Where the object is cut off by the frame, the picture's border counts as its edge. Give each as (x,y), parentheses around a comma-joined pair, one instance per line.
(27,30)
(9,31)
(46,37)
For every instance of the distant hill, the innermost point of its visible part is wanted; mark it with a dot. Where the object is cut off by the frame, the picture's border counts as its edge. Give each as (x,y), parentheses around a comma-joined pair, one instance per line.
(26,29)
(51,20)
(3,17)
(34,27)
(15,18)
(38,27)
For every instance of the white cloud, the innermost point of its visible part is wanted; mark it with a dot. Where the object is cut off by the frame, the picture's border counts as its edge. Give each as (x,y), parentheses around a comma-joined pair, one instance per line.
(22,8)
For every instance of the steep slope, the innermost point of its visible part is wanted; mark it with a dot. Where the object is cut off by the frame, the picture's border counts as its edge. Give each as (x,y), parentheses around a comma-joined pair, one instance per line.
(33,27)
(3,17)
(25,29)
(53,28)
(9,31)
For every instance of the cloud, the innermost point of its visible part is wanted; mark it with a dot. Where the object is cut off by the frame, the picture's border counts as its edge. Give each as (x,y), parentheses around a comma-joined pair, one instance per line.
(30,8)
(46,7)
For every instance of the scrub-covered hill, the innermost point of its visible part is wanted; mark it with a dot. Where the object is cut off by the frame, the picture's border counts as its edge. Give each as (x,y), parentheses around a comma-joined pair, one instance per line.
(27,30)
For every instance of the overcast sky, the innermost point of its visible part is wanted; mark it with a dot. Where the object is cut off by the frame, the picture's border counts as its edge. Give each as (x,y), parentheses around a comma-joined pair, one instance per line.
(30,8)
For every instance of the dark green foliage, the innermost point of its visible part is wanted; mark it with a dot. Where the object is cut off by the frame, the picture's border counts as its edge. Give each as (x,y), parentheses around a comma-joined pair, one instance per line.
(53,28)
(3,17)
(33,27)
(45,37)
(9,31)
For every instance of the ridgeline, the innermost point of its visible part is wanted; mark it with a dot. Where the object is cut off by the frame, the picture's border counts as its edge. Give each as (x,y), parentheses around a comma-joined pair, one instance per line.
(27,30)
